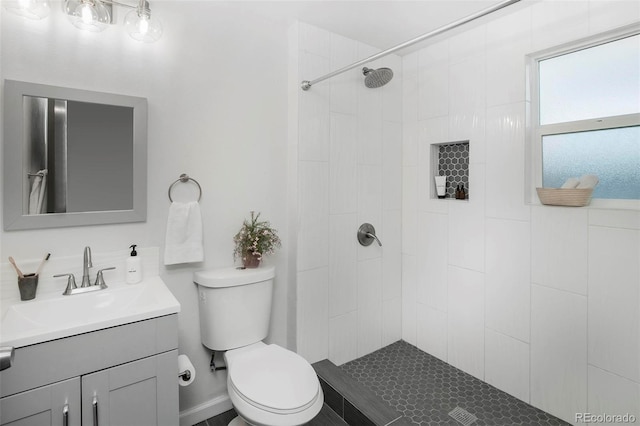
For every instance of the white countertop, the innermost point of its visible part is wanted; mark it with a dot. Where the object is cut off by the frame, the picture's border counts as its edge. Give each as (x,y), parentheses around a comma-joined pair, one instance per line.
(55,316)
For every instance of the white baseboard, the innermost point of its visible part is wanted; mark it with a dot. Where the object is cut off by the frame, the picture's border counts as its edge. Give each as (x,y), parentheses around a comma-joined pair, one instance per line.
(206,410)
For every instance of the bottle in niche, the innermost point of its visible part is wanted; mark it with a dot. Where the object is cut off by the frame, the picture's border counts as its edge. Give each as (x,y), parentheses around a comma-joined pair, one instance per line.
(457,192)
(134,267)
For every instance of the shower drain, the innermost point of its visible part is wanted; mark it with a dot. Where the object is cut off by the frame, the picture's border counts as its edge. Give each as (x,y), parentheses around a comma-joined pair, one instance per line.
(462,416)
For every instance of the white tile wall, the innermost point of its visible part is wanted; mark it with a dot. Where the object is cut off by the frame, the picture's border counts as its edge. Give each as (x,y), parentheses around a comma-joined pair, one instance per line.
(343,338)
(505,162)
(431,331)
(409,306)
(465,321)
(558,355)
(349,171)
(343,183)
(433,260)
(507,277)
(559,248)
(343,272)
(391,237)
(313,314)
(466,235)
(612,394)
(614,295)
(344,87)
(391,321)
(554,23)
(507,364)
(313,199)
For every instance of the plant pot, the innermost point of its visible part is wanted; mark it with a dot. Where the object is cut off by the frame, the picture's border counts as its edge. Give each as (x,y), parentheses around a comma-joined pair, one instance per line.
(251,260)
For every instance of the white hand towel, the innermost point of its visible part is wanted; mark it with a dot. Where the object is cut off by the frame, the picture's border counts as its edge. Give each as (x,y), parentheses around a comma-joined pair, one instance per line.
(183,242)
(588,181)
(570,183)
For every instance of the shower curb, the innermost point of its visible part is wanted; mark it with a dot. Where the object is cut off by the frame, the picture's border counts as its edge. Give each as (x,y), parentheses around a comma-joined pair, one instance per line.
(356,404)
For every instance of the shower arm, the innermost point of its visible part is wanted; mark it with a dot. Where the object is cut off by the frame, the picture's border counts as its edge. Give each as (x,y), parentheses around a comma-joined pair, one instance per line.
(306,84)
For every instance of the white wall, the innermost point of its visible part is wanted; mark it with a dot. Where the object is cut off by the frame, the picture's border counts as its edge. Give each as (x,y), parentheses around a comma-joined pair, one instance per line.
(541,302)
(217,111)
(348,172)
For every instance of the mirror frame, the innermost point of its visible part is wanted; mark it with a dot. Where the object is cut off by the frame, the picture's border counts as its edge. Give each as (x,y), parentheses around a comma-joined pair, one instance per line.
(14,158)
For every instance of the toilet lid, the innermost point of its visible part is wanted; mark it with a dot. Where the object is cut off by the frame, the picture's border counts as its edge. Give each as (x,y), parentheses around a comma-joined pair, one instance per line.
(274,379)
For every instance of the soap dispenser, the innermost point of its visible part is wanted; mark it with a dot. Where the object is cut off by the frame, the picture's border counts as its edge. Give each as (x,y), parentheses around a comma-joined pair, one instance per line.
(134,267)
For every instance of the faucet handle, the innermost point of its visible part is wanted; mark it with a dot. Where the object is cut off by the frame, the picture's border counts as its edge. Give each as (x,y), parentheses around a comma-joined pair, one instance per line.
(71,283)
(100,278)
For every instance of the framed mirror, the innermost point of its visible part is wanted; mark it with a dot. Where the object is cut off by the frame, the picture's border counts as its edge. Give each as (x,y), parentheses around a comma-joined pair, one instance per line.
(73,157)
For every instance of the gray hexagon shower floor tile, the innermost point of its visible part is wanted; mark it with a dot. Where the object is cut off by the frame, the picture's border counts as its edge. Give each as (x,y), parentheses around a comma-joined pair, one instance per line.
(425,390)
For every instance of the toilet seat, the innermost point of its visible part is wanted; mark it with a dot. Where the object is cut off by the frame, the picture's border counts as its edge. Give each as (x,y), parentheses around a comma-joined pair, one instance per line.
(273,386)
(274,379)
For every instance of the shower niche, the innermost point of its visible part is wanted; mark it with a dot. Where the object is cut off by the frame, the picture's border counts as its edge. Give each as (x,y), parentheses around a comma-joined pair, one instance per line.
(451,159)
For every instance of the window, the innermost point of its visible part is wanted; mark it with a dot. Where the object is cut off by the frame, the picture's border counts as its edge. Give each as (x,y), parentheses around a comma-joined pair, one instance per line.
(586,115)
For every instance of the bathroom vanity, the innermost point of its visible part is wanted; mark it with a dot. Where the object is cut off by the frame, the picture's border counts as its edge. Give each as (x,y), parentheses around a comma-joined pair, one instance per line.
(118,366)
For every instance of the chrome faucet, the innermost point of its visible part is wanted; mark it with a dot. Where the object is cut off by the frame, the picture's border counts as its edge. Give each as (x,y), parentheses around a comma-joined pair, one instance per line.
(86,285)
(86,264)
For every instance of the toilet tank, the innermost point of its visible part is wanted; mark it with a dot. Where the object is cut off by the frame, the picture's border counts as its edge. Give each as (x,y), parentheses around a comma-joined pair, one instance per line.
(234,305)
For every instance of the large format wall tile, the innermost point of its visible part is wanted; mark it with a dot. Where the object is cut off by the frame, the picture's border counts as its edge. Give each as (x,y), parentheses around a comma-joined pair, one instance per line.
(465,322)
(558,356)
(614,292)
(559,248)
(507,277)
(507,364)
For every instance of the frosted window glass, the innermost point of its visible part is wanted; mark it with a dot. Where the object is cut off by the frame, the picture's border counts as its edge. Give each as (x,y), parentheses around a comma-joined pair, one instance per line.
(600,81)
(613,155)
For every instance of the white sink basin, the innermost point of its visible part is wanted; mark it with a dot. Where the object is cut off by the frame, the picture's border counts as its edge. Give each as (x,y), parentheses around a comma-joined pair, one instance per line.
(31,322)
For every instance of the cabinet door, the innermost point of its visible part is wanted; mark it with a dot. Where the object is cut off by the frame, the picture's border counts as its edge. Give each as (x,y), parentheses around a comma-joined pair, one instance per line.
(141,393)
(57,404)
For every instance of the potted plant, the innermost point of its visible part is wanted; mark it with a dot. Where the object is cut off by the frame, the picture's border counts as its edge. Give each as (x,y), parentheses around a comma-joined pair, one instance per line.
(255,239)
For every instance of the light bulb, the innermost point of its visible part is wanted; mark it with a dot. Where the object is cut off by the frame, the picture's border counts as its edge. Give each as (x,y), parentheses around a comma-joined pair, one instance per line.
(31,9)
(143,26)
(89,15)
(140,26)
(85,13)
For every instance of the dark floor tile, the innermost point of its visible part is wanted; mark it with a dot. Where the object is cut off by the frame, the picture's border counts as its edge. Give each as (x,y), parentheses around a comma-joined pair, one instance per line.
(425,389)
(361,397)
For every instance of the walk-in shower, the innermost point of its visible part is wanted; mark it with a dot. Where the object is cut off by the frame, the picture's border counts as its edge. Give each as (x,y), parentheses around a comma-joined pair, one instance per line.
(306,84)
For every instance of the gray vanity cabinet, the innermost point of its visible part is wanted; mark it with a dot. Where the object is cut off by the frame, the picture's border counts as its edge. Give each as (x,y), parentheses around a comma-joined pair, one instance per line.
(124,375)
(53,405)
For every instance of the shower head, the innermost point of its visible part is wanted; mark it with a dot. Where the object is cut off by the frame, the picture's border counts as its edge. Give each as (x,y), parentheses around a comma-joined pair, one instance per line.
(376,78)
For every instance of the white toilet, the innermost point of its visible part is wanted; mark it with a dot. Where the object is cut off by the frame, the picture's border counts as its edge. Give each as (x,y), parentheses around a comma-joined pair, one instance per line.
(268,385)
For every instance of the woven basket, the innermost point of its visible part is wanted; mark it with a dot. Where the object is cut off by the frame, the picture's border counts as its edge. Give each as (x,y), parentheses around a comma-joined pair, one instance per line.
(565,197)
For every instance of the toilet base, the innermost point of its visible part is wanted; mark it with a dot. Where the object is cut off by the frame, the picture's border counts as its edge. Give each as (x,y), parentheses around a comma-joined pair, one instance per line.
(238,422)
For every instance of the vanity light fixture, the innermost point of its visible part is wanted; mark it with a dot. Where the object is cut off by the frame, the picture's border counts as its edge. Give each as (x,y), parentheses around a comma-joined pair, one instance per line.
(31,9)
(94,15)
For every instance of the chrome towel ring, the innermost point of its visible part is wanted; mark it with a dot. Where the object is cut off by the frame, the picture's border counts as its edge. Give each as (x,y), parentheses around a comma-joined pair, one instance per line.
(185,178)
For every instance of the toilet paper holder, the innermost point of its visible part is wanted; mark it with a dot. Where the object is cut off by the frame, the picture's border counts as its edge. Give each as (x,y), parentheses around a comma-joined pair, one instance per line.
(185,375)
